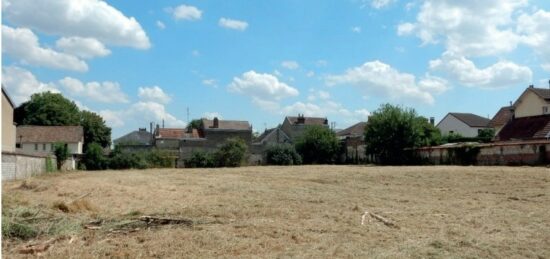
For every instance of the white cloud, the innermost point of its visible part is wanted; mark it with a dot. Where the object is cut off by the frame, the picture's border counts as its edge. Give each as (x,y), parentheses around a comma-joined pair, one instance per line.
(212,115)
(535,33)
(378,4)
(233,24)
(210,82)
(262,86)
(362,114)
(381,79)
(82,47)
(107,92)
(86,19)
(21,84)
(22,44)
(160,25)
(186,12)
(500,74)
(155,94)
(356,29)
(310,74)
(433,84)
(290,64)
(141,112)
(112,118)
(469,28)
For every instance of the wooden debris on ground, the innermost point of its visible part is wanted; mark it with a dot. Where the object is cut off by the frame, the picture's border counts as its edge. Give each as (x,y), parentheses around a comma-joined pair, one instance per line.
(38,249)
(379,218)
(150,220)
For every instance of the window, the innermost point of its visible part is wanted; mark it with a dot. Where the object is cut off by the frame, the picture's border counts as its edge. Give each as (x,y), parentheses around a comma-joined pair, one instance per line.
(18,145)
(544,109)
(43,146)
(35,146)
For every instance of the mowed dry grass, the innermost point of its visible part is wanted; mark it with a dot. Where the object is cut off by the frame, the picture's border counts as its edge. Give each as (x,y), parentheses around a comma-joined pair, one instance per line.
(306,211)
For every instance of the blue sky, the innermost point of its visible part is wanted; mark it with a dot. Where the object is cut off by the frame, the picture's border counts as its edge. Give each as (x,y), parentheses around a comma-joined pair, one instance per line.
(140,62)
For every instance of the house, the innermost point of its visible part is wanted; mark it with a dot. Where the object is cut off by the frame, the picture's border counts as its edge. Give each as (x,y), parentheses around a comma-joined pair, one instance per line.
(532,102)
(170,138)
(503,116)
(353,140)
(136,140)
(526,128)
(41,140)
(294,127)
(8,126)
(466,124)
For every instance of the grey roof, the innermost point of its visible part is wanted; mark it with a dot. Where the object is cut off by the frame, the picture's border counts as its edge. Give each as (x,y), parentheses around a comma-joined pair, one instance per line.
(50,134)
(138,137)
(226,125)
(308,120)
(355,130)
(471,120)
(544,93)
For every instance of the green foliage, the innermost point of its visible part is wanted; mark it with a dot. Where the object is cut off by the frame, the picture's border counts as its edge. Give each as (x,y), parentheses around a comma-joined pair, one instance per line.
(282,154)
(120,159)
(200,159)
(318,145)
(94,158)
(61,152)
(49,165)
(48,109)
(159,159)
(392,129)
(231,153)
(95,130)
(194,124)
(486,133)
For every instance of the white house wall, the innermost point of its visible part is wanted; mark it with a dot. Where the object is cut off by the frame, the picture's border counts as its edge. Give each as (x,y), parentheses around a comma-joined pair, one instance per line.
(451,123)
(74,148)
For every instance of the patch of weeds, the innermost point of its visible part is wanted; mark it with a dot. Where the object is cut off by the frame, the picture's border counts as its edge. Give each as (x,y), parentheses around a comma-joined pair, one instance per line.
(437,244)
(75,206)
(59,205)
(133,213)
(12,229)
(64,226)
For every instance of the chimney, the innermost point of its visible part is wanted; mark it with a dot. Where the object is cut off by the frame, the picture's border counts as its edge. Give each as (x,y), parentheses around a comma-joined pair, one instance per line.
(432,121)
(326,121)
(151,127)
(163,123)
(157,133)
(531,86)
(142,129)
(216,123)
(301,119)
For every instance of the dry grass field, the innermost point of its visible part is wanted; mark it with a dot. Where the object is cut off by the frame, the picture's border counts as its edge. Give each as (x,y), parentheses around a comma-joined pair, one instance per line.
(306,211)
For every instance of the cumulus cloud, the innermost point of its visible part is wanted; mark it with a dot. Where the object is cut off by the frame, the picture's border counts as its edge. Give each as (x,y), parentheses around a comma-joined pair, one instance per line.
(500,74)
(233,24)
(155,94)
(212,115)
(534,33)
(262,86)
(86,19)
(160,25)
(106,92)
(290,64)
(21,84)
(186,12)
(469,28)
(22,44)
(381,79)
(210,82)
(137,113)
(82,47)
(378,4)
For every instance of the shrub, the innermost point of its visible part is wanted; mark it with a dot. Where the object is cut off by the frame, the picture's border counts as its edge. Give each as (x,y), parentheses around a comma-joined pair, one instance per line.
(232,153)
(11,229)
(61,152)
(158,159)
(282,154)
(94,158)
(200,159)
(122,160)
(318,145)
(147,159)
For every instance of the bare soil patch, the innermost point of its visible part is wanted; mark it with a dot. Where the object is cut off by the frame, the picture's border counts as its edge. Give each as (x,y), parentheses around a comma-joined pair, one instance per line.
(305,211)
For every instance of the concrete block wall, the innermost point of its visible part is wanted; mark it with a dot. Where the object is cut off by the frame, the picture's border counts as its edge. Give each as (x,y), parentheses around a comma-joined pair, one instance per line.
(19,166)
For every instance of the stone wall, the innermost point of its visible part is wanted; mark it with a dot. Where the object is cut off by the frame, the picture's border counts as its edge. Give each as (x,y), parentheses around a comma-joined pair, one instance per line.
(21,166)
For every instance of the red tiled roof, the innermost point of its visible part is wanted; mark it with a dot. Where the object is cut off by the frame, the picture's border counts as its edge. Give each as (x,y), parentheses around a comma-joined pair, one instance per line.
(525,128)
(501,117)
(50,134)
(170,133)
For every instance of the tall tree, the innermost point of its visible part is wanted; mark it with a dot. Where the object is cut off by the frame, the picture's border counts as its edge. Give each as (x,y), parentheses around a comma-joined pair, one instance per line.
(318,145)
(48,109)
(391,129)
(95,130)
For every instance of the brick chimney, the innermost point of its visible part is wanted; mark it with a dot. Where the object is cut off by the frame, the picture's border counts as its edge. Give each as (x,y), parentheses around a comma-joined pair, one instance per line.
(301,119)
(216,123)
(432,121)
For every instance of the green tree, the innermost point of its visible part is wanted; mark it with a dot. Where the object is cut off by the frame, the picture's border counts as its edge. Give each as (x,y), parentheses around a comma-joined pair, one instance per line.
(392,129)
(94,158)
(231,153)
(47,109)
(194,124)
(200,159)
(95,130)
(318,145)
(486,134)
(282,154)
(61,152)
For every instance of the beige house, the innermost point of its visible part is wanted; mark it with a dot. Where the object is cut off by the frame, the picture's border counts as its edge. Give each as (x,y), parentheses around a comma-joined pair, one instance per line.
(41,140)
(532,102)
(8,127)
(294,127)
